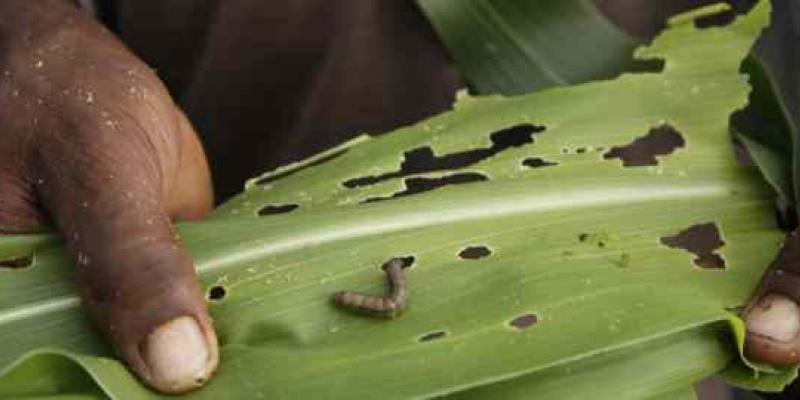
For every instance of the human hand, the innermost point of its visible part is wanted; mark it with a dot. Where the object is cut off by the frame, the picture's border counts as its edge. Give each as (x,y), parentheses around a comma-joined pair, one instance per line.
(92,143)
(773,314)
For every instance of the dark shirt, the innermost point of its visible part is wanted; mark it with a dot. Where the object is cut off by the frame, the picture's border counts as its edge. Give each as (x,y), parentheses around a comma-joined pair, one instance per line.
(269,82)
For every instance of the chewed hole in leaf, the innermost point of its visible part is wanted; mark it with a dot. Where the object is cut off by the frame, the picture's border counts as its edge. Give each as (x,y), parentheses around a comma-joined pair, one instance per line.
(535,162)
(16,262)
(660,141)
(432,336)
(277,209)
(419,185)
(651,65)
(725,17)
(281,175)
(474,252)
(599,239)
(524,321)
(422,160)
(217,293)
(408,261)
(422,184)
(702,240)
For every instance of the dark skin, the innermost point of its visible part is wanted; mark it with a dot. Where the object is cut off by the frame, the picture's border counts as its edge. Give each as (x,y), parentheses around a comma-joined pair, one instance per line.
(92,143)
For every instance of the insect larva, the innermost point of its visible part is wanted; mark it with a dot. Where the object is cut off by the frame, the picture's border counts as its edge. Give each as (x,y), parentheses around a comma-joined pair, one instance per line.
(385,306)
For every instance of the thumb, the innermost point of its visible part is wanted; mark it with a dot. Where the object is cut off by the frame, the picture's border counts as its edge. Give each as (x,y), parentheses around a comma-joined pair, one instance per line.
(106,195)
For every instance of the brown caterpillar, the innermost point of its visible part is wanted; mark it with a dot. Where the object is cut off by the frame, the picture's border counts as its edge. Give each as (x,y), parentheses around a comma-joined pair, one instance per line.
(386,306)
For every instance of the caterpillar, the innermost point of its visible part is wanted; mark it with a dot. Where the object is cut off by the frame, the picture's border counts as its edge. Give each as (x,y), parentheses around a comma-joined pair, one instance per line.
(383,306)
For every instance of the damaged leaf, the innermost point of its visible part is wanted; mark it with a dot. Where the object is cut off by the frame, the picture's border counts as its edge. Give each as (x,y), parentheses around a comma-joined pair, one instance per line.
(702,240)
(519,319)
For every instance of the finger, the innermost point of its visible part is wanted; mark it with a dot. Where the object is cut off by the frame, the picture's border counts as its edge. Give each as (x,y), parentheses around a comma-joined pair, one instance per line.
(190,195)
(773,315)
(106,194)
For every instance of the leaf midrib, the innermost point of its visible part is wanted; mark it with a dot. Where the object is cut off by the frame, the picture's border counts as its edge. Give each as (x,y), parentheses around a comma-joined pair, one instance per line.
(284,236)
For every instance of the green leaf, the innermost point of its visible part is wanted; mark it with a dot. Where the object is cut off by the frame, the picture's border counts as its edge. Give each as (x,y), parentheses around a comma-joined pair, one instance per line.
(650,368)
(515,47)
(575,238)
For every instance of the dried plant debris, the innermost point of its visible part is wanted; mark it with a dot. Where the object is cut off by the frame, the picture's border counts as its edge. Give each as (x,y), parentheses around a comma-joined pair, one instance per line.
(702,240)
(660,141)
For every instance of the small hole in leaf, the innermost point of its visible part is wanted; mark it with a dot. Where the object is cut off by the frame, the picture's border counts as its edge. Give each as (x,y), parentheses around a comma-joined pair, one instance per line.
(277,209)
(273,178)
(535,162)
(660,141)
(17,262)
(422,184)
(432,336)
(710,261)
(408,261)
(474,252)
(651,65)
(725,17)
(422,159)
(702,240)
(580,150)
(599,239)
(524,321)
(216,293)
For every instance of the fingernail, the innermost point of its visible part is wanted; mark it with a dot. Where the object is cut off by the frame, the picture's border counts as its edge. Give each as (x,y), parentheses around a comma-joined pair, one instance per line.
(178,355)
(776,317)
